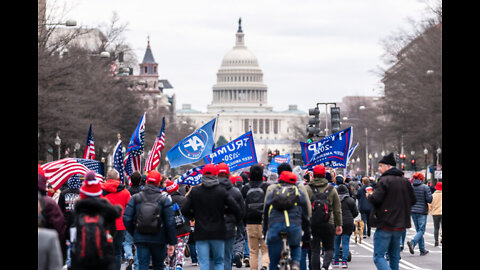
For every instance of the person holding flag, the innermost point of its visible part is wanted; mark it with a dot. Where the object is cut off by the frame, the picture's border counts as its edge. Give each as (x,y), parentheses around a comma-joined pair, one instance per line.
(154,157)
(89,152)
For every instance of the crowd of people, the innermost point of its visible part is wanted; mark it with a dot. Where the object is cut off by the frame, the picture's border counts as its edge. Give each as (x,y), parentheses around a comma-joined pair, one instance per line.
(232,220)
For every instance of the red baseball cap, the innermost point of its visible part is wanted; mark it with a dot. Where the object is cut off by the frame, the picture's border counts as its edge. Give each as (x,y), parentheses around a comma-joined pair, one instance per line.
(319,170)
(210,169)
(288,177)
(154,177)
(223,168)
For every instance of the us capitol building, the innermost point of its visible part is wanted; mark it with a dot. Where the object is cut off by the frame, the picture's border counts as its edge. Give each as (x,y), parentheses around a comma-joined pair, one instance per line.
(240,100)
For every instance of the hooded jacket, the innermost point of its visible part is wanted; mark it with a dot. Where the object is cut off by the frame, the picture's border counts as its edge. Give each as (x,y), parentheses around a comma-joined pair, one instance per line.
(321,184)
(230,220)
(349,209)
(423,195)
(207,204)
(116,193)
(99,206)
(392,200)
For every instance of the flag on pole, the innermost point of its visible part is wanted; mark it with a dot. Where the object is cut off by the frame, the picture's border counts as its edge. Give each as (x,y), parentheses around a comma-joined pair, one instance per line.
(135,149)
(118,160)
(154,158)
(89,152)
(59,171)
(193,147)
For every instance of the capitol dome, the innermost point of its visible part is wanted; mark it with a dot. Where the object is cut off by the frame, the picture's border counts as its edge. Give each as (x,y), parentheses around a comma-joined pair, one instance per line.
(239,80)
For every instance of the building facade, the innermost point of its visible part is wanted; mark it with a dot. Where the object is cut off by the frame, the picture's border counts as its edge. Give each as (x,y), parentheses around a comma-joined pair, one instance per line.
(240,102)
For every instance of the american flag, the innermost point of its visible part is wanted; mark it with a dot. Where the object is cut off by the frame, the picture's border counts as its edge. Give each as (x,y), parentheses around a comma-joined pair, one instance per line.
(135,149)
(89,152)
(154,158)
(118,160)
(191,177)
(59,171)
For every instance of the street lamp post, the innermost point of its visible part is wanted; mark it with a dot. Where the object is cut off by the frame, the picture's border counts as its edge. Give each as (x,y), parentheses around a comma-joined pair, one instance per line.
(425,152)
(58,141)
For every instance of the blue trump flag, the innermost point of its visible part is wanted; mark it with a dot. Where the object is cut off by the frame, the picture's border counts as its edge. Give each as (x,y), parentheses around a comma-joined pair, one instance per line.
(277,160)
(332,151)
(194,147)
(237,154)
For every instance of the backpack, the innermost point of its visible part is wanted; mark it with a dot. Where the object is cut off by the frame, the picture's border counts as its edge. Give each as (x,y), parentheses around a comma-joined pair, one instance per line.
(285,197)
(321,207)
(254,200)
(177,216)
(149,215)
(93,245)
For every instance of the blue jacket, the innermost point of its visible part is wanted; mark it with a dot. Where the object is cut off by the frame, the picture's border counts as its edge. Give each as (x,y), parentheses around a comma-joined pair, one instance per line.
(423,195)
(166,235)
(363,203)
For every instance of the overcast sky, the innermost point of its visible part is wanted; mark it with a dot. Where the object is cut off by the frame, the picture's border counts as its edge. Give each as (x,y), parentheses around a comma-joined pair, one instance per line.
(309,51)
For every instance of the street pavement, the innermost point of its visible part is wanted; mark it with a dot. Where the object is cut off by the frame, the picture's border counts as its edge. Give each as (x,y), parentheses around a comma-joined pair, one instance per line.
(362,254)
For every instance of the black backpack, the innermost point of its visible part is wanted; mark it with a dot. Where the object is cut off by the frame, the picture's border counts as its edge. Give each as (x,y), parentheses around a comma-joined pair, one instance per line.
(254,200)
(149,215)
(93,246)
(285,197)
(321,207)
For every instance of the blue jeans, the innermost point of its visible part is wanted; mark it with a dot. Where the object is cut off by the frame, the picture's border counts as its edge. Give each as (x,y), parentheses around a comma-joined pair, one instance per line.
(228,256)
(193,253)
(385,241)
(145,251)
(345,239)
(366,228)
(246,252)
(275,244)
(420,222)
(118,245)
(127,247)
(217,248)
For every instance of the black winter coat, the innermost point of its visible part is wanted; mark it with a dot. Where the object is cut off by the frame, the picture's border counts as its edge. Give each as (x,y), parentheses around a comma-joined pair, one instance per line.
(349,212)
(245,189)
(423,195)
(392,200)
(180,200)
(230,221)
(208,204)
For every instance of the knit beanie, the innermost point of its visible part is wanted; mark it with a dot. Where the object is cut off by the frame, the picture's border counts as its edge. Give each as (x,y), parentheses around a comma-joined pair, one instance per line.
(389,160)
(91,186)
(288,177)
(256,172)
(171,187)
(284,167)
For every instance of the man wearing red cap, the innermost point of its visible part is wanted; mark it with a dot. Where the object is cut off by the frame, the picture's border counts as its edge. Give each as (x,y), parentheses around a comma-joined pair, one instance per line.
(207,204)
(291,219)
(151,243)
(324,233)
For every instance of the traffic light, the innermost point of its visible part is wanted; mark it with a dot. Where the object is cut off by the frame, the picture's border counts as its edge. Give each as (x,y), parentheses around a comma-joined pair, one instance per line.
(335,119)
(402,158)
(277,152)
(297,159)
(413,165)
(270,156)
(313,123)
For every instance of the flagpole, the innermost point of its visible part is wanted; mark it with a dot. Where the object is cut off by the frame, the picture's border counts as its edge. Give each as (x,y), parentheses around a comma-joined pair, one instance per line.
(215,130)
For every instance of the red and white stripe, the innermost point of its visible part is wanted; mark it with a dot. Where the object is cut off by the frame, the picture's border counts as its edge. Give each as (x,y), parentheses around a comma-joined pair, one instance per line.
(89,152)
(154,158)
(59,171)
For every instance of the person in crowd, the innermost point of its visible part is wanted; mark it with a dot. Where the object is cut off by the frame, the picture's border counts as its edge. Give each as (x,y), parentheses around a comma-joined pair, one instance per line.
(66,202)
(208,204)
(349,212)
(183,230)
(435,209)
(151,236)
(419,213)
(51,212)
(291,219)
(364,206)
(392,200)
(254,216)
(116,193)
(324,233)
(49,252)
(91,205)
(132,260)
